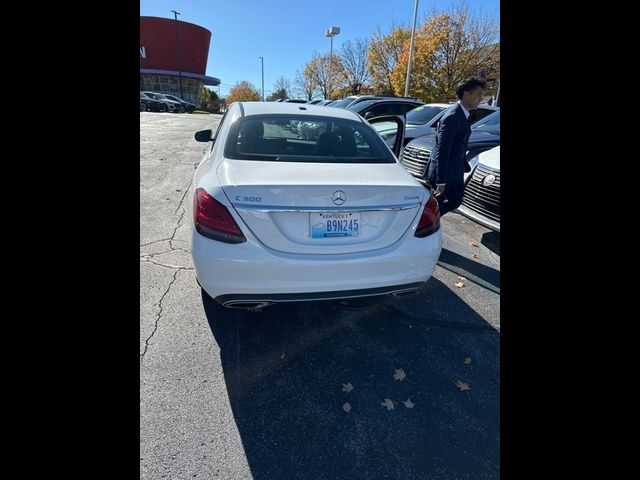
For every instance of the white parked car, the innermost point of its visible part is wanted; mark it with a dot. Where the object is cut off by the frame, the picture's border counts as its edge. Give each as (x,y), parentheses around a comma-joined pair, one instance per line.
(481,200)
(280,218)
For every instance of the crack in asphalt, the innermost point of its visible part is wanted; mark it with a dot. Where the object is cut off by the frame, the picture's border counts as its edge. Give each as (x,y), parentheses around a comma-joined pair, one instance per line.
(146,343)
(164,253)
(184,210)
(176,229)
(182,199)
(172,238)
(174,267)
(155,241)
(147,258)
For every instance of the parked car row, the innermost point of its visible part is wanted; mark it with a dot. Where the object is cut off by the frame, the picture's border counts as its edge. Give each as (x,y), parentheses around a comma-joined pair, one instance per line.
(481,201)
(159,102)
(482,191)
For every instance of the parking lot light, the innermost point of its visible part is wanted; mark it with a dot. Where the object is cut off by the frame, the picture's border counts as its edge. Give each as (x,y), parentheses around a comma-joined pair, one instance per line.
(332,32)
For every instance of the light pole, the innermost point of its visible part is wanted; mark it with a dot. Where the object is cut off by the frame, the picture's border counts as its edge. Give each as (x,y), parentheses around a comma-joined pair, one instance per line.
(332,32)
(262,64)
(175,14)
(413,31)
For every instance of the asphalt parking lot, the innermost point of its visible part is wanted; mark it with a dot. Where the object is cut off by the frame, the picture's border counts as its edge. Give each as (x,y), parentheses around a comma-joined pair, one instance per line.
(405,388)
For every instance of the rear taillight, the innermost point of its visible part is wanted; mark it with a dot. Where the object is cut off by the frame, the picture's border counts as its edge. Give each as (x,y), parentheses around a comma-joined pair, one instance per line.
(430,220)
(213,220)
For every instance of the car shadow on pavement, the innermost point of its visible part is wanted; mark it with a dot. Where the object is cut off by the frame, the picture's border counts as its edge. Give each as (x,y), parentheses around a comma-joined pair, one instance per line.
(491,240)
(470,269)
(364,389)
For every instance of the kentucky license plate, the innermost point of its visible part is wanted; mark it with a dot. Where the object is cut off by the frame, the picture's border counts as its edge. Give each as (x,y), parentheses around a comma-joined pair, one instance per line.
(334,224)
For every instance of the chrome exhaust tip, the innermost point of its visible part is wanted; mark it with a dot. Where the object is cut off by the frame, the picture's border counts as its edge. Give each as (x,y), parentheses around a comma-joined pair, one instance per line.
(405,293)
(252,306)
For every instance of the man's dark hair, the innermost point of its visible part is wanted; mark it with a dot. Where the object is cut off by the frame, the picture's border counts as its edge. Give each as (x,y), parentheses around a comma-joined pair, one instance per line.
(470,84)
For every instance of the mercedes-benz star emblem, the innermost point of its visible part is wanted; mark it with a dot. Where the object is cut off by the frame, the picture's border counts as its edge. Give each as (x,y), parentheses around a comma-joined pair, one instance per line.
(339,197)
(488,180)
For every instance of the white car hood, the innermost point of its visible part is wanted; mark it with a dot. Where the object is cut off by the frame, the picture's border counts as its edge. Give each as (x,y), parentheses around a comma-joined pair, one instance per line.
(490,158)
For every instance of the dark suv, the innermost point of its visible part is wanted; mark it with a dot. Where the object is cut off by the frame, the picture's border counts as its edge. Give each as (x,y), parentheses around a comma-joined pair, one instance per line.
(188,106)
(151,104)
(378,107)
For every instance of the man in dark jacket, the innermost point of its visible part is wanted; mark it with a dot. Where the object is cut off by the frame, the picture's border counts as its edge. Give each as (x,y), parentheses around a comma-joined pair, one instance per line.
(448,163)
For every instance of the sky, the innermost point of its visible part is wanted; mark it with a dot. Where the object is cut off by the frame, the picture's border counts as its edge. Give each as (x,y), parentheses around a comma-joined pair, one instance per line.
(286,33)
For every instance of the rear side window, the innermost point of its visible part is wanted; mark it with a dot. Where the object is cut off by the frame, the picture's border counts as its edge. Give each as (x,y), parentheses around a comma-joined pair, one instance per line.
(294,138)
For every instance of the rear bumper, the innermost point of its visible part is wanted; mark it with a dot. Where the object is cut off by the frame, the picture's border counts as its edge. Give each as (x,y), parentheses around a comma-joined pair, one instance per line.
(238,300)
(252,273)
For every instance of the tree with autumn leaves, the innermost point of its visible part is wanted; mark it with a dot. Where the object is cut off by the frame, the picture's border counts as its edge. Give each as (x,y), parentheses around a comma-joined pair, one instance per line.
(243,92)
(384,55)
(448,48)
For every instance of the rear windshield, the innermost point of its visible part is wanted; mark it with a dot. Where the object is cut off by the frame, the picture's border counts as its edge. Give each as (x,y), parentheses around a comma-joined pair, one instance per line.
(295,138)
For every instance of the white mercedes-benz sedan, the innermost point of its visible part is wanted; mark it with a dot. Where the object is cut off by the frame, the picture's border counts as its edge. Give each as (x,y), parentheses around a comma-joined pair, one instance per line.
(281,217)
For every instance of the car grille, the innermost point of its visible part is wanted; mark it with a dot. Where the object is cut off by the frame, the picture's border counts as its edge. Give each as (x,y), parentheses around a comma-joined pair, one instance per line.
(481,198)
(415,160)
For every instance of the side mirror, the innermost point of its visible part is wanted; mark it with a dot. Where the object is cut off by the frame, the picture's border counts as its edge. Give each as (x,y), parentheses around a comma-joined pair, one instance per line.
(204,136)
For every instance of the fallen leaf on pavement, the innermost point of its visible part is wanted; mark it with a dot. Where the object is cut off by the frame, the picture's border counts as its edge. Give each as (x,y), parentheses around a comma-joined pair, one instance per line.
(346,407)
(473,244)
(347,387)
(387,403)
(459,284)
(475,255)
(399,375)
(408,403)
(462,386)
(467,360)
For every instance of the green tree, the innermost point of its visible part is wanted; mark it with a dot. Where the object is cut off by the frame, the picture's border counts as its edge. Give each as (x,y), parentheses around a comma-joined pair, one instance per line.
(205,98)
(209,100)
(243,91)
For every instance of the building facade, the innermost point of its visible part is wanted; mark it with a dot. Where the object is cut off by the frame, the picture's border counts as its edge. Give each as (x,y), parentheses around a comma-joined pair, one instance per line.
(173,58)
